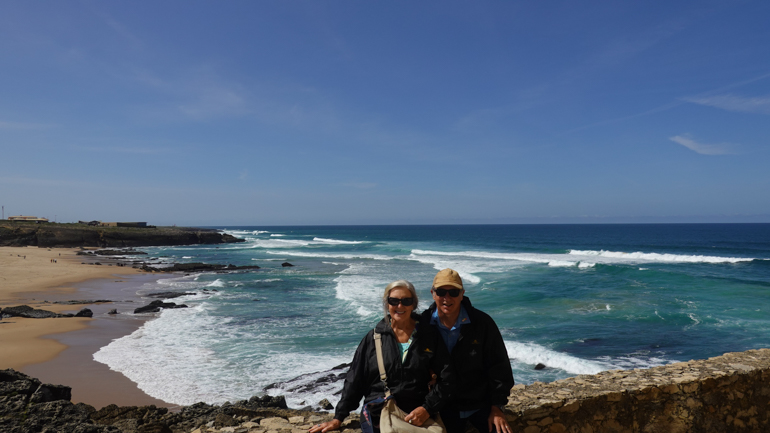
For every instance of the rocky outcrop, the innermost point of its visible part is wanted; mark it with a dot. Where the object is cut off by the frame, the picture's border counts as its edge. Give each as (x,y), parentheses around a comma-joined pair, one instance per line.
(79,235)
(156,306)
(197,267)
(33,313)
(27,405)
(126,252)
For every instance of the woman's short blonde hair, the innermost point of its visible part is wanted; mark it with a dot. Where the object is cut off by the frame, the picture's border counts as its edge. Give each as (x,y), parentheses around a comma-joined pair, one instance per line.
(403,284)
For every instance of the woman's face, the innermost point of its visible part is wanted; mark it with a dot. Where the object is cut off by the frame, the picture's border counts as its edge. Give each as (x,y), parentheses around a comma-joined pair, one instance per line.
(400,311)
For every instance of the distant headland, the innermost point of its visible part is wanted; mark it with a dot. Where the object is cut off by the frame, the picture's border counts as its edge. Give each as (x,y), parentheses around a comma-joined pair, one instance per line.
(73,235)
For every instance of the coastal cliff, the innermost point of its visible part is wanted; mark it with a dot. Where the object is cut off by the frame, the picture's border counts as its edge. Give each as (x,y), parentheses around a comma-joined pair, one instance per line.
(728,393)
(52,235)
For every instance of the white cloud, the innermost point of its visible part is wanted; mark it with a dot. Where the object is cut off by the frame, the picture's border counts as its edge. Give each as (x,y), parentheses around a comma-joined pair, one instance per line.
(731,102)
(703,149)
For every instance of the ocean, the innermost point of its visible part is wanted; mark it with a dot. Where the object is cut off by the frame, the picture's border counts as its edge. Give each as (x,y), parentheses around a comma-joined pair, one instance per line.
(579,299)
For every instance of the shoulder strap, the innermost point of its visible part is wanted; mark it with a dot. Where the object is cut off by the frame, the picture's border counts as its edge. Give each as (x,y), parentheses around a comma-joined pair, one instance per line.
(381,362)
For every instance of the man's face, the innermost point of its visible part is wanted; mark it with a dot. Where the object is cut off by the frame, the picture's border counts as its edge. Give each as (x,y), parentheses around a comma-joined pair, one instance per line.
(448,305)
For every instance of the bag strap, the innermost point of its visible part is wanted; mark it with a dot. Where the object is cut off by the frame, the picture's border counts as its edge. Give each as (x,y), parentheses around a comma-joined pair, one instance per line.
(380,362)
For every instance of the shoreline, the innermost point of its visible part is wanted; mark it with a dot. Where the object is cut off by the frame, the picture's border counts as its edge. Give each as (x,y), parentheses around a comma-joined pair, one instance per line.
(60,350)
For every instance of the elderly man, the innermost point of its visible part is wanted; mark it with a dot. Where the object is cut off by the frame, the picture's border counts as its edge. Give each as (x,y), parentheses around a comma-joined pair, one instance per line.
(484,375)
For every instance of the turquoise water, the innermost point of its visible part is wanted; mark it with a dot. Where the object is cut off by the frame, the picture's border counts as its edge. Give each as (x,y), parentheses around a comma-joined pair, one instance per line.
(577,298)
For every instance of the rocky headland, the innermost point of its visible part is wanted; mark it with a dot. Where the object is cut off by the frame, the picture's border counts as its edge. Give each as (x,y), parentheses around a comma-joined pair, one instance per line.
(53,235)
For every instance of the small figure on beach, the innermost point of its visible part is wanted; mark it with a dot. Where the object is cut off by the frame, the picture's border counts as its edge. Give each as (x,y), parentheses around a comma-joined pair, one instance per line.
(478,353)
(411,352)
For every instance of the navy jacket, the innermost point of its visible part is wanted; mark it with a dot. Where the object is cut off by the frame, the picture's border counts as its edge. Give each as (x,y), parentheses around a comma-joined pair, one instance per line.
(480,360)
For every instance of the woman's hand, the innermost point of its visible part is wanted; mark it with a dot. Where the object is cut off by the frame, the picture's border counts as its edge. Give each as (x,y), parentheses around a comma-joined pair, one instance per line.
(417,417)
(326,426)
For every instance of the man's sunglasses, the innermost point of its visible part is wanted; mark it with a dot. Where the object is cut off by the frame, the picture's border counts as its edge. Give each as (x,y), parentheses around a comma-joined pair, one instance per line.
(406,302)
(443,292)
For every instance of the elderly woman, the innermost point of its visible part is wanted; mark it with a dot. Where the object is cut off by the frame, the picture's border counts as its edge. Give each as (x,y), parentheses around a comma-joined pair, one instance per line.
(413,355)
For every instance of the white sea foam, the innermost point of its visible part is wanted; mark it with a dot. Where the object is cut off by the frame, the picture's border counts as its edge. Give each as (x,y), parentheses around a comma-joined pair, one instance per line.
(465,263)
(360,285)
(178,284)
(157,357)
(637,257)
(561,263)
(337,241)
(277,235)
(217,283)
(531,353)
(469,263)
(278,243)
(635,360)
(334,256)
(281,242)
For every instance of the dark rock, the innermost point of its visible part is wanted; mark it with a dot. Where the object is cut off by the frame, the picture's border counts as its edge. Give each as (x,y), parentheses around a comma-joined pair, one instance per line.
(155,306)
(197,267)
(113,311)
(48,392)
(268,401)
(128,252)
(26,405)
(59,416)
(28,312)
(286,264)
(223,420)
(112,413)
(85,312)
(325,404)
(540,366)
(83,301)
(154,427)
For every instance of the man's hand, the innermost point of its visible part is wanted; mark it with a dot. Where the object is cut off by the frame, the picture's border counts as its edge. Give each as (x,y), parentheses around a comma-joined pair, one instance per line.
(325,427)
(417,416)
(497,421)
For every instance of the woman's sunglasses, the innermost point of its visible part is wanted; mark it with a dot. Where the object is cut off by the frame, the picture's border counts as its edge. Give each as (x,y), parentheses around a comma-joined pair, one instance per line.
(443,292)
(406,302)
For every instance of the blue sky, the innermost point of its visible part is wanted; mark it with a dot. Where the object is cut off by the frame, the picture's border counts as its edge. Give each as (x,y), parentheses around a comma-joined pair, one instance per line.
(361,112)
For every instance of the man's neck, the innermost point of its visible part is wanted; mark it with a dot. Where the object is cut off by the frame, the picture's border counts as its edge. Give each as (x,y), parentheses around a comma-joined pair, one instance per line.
(448,321)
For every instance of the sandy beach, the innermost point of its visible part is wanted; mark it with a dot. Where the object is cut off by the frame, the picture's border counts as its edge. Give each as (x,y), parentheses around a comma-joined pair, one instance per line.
(60,350)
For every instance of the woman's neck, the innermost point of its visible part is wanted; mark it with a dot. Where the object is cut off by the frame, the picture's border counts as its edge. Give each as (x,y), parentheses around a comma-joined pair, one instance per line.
(403,329)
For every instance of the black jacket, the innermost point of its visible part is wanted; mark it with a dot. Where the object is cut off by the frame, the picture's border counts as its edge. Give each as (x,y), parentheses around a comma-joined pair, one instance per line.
(407,380)
(480,360)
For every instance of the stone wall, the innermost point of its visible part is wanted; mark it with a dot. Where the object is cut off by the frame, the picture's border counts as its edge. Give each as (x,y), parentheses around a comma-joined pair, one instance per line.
(728,393)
